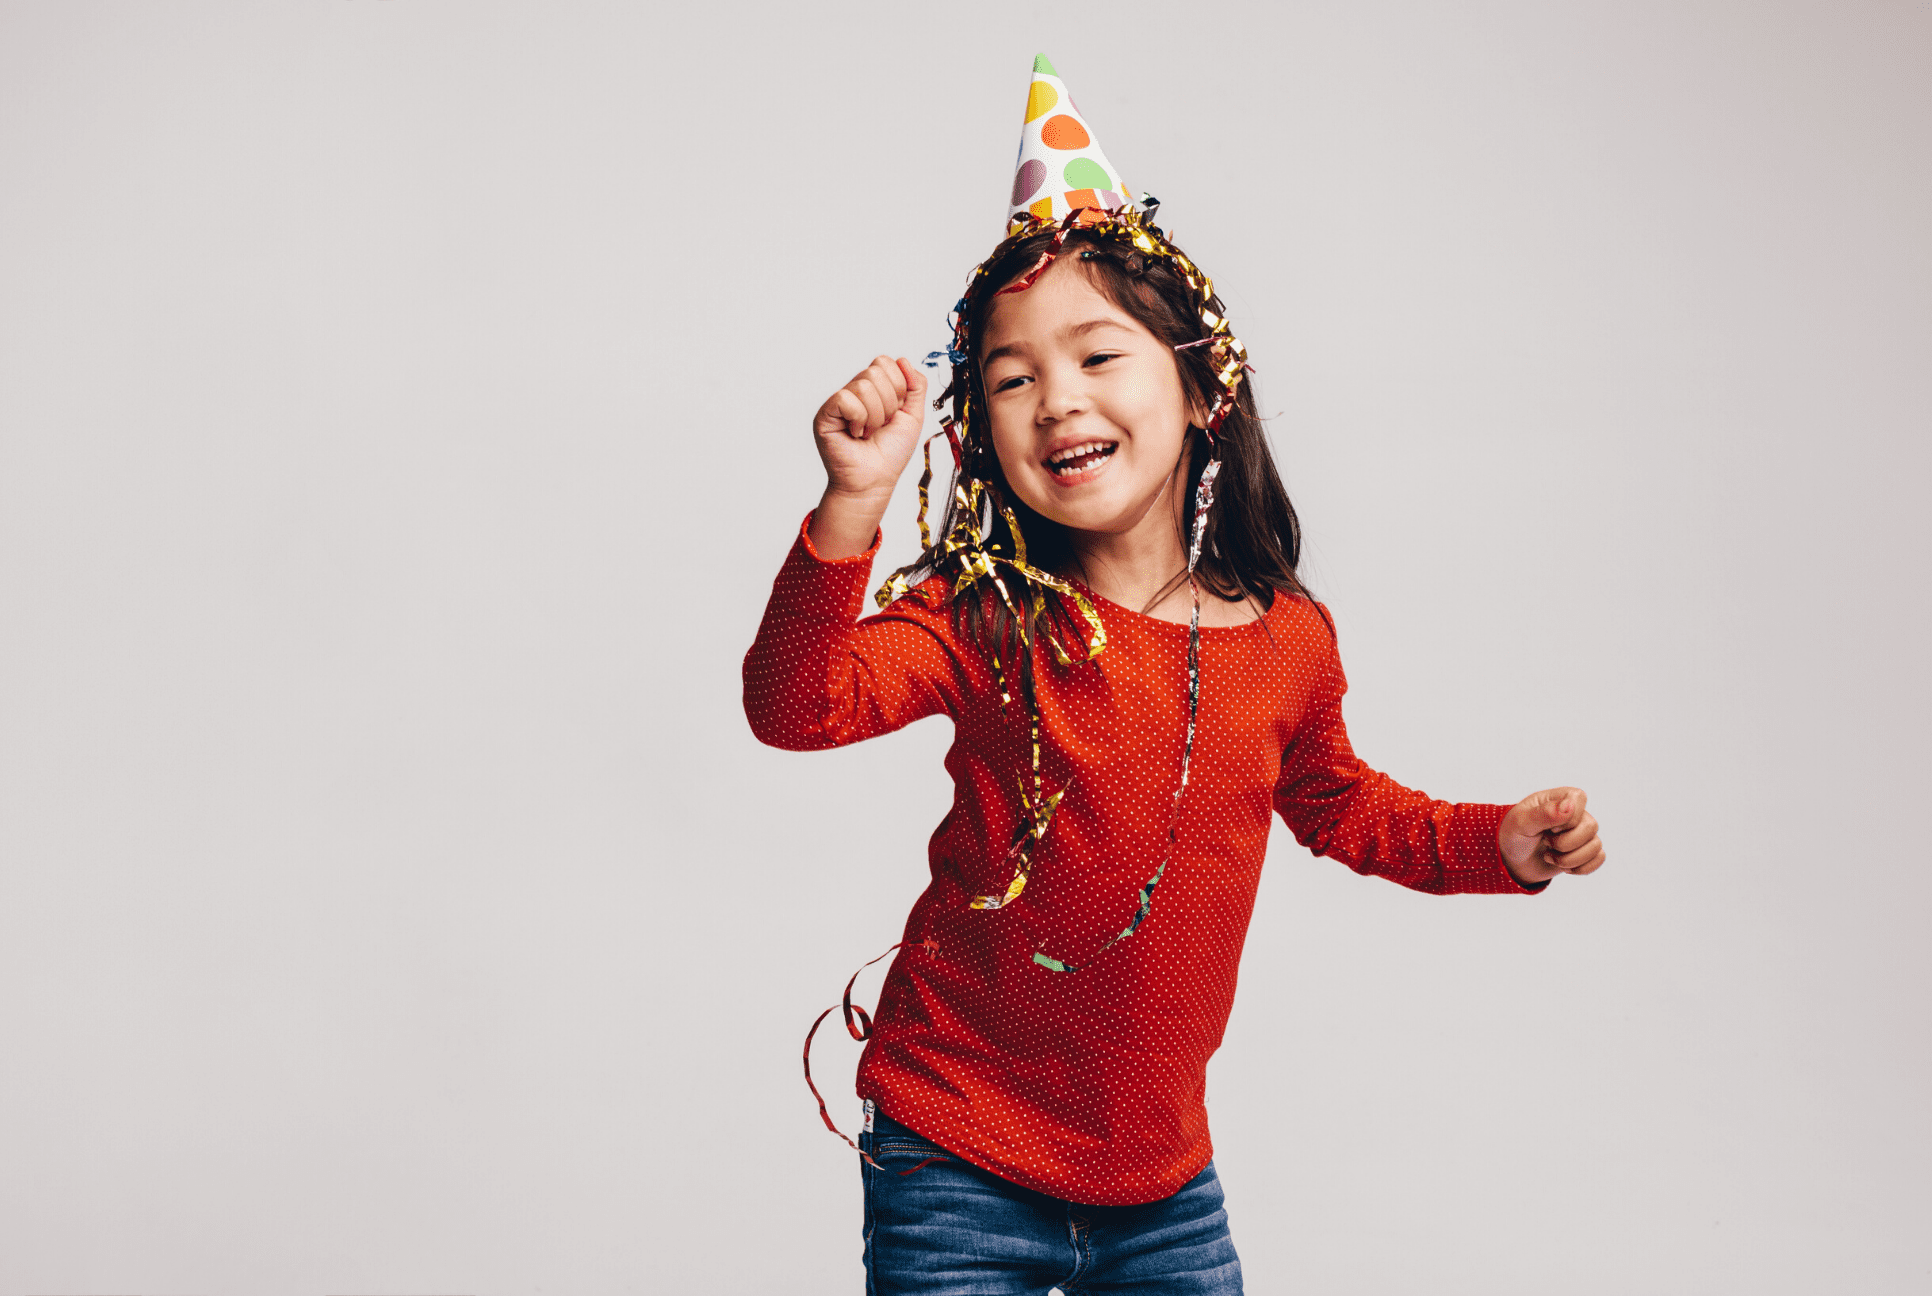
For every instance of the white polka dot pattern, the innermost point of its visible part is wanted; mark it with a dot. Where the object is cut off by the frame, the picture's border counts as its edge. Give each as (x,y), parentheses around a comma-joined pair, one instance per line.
(1089,1086)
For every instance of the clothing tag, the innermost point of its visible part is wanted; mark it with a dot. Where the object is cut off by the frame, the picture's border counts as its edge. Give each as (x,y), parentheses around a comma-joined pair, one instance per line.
(868,1115)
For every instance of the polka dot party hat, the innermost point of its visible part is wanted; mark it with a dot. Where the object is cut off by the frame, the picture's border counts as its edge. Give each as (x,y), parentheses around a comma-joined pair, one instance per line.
(1061,168)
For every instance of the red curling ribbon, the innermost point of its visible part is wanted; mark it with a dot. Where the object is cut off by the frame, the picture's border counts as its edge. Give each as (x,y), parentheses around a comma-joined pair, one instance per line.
(858,1024)
(1046,258)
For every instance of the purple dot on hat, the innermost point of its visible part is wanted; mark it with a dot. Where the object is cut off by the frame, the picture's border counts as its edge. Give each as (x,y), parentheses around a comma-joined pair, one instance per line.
(1028,180)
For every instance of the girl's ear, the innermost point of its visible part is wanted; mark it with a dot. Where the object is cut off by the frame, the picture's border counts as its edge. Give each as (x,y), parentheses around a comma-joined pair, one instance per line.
(1197,410)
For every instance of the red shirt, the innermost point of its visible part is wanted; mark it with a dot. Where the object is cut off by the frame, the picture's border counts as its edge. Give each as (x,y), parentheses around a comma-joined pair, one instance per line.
(1088,1085)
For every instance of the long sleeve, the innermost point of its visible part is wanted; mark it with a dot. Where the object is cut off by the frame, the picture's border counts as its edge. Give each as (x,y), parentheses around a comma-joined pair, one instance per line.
(1338,806)
(817,676)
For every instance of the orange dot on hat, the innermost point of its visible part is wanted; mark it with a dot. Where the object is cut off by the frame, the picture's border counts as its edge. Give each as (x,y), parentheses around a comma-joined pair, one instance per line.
(1040,99)
(1043,208)
(1064,132)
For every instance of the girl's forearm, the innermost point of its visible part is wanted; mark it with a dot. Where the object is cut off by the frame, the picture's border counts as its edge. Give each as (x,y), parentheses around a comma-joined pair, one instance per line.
(844,525)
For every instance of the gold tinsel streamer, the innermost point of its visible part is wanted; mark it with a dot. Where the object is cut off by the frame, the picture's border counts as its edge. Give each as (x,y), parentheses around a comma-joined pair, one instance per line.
(973,556)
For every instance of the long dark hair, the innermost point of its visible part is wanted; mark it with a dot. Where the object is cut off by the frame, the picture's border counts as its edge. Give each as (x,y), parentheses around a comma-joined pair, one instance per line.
(1253,540)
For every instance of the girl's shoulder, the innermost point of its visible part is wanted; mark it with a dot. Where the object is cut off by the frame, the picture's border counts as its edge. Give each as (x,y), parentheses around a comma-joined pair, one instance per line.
(1301,612)
(1302,627)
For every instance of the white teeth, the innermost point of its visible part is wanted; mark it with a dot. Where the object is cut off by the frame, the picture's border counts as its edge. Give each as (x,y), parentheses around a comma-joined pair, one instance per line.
(1060,460)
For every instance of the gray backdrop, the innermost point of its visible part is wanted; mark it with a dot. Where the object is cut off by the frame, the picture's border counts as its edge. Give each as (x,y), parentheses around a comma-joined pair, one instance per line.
(403,410)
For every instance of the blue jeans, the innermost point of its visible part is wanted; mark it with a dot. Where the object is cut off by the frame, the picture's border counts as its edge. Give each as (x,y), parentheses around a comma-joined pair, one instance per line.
(953,1229)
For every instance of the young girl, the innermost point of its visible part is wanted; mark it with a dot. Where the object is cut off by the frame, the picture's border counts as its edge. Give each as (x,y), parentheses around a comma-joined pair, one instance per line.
(1137,679)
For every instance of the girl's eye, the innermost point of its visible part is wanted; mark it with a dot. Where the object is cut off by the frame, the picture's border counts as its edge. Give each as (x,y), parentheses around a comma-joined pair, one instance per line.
(1095,361)
(1010,383)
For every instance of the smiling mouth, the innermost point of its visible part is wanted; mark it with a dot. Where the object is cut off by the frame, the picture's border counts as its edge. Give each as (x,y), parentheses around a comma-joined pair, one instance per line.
(1078,459)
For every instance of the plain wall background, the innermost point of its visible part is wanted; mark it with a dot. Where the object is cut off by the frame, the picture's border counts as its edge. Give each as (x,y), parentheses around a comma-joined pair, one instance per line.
(403,410)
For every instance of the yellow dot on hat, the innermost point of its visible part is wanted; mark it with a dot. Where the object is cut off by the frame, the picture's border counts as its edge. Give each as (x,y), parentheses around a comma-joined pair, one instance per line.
(1040,100)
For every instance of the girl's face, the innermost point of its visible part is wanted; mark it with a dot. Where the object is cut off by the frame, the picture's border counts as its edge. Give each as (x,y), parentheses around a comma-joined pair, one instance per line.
(1088,411)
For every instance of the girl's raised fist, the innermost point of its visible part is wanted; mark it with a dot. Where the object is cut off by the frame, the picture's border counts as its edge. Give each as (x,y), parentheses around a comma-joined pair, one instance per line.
(866,429)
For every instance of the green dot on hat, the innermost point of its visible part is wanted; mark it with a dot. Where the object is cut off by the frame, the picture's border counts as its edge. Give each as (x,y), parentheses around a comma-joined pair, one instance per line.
(1085,173)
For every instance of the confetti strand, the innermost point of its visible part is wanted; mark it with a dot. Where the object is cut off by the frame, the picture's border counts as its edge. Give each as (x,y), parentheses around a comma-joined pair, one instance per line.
(1203,500)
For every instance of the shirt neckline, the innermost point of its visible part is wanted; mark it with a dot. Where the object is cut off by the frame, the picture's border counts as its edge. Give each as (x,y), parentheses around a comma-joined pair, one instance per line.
(1165,626)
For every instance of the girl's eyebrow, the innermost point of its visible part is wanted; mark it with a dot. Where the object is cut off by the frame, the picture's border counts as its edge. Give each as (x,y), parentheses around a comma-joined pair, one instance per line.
(1074,330)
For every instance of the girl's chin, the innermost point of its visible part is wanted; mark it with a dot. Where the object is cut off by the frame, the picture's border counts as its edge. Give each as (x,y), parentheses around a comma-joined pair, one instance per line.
(1093,501)
(1093,515)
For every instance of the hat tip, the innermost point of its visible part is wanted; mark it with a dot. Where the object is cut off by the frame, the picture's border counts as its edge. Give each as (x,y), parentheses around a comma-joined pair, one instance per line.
(1041,63)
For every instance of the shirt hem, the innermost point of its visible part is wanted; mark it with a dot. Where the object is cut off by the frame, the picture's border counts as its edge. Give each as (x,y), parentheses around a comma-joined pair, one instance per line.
(961,1147)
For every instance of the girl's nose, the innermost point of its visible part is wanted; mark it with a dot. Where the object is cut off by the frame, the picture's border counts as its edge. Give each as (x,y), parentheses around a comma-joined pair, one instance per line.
(1062,396)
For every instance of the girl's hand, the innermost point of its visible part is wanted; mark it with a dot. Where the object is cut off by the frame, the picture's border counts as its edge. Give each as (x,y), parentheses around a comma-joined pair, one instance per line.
(1547,833)
(866,431)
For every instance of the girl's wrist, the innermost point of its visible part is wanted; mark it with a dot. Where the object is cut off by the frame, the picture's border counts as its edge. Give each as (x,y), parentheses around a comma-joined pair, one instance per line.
(875,498)
(844,523)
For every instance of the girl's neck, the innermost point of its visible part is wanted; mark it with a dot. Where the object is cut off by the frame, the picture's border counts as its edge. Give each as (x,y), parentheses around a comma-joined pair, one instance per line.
(1143,567)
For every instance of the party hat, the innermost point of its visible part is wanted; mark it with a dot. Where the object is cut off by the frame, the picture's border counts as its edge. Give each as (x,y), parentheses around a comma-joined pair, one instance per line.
(1061,168)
